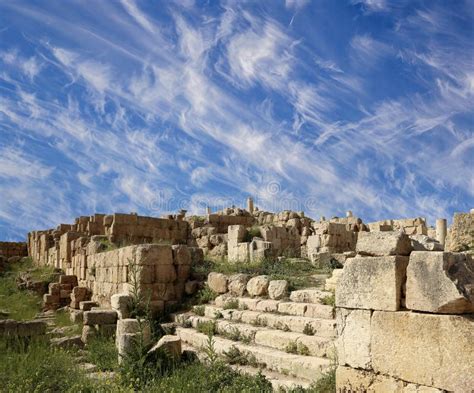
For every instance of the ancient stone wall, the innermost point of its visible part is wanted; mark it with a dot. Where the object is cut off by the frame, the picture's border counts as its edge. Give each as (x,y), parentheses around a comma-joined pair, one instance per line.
(160,270)
(331,237)
(411,226)
(404,318)
(13,249)
(461,233)
(68,244)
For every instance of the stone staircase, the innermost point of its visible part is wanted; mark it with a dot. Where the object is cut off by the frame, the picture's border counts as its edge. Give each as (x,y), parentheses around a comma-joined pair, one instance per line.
(290,341)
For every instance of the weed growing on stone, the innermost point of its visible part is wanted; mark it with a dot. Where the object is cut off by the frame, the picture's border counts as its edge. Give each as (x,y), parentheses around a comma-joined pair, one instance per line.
(308,330)
(232,304)
(199,310)
(207,328)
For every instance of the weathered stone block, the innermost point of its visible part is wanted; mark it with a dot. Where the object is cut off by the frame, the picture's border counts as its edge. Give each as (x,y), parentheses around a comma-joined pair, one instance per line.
(164,274)
(425,243)
(383,243)
(31,328)
(278,289)
(353,342)
(122,304)
(181,255)
(217,282)
(191,287)
(87,305)
(238,284)
(100,317)
(372,283)
(170,344)
(258,286)
(440,282)
(68,279)
(431,350)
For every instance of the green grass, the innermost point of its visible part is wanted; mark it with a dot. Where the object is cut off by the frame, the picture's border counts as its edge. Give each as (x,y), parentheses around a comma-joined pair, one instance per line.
(21,305)
(102,352)
(216,378)
(41,368)
(298,273)
(62,319)
(329,300)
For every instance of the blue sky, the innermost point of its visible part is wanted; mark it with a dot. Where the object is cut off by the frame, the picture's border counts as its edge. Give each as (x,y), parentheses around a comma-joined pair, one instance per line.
(152,106)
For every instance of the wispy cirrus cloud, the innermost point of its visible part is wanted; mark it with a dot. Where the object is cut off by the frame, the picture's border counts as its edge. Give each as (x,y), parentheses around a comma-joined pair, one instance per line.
(152,111)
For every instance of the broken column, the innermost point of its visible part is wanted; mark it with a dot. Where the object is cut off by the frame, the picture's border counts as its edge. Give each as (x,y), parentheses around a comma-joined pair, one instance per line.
(441,230)
(250,205)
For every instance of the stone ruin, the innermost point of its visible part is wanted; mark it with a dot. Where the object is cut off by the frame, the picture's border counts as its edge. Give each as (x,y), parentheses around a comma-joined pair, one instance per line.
(404,291)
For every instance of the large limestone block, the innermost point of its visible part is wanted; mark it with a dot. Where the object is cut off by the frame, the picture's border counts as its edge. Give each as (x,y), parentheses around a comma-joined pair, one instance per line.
(122,303)
(238,284)
(236,233)
(170,344)
(154,254)
(428,349)
(181,255)
(258,286)
(383,243)
(425,243)
(362,381)
(440,282)
(217,282)
(353,342)
(278,289)
(373,283)
(100,317)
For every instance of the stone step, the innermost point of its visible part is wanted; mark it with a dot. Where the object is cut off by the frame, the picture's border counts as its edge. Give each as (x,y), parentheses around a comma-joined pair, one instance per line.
(320,327)
(280,382)
(309,368)
(301,309)
(309,295)
(276,339)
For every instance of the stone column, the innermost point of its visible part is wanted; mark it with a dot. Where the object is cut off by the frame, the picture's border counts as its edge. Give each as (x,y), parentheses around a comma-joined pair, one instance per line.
(250,205)
(349,213)
(208,210)
(441,230)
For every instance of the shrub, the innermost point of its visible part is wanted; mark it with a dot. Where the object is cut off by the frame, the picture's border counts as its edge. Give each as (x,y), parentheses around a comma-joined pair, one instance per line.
(308,330)
(205,295)
(329,300)
(232,304)
(235,356)
(208,327)
(291,347)
(303,349)
(199,310)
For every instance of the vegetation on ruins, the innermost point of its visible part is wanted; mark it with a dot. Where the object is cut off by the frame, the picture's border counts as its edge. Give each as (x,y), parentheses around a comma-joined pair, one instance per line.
(62,320)
(38,367)
(199,310)
(232,304)
(297,348)
(207,327)
(102,352)
(308,330)
(298,272)
(329,300)
(16,303)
